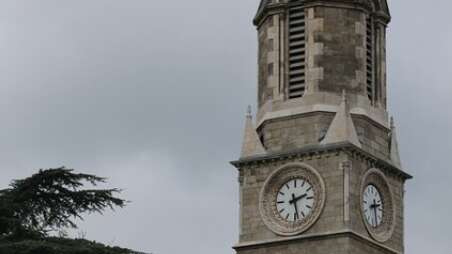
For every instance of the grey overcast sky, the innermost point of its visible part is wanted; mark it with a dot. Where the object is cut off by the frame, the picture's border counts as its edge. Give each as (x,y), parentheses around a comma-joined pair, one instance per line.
(152,94)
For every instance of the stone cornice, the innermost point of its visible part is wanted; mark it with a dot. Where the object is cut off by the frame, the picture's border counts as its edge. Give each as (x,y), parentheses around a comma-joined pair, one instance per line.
(271,9)
(319,150)
(326,235)
(359,5)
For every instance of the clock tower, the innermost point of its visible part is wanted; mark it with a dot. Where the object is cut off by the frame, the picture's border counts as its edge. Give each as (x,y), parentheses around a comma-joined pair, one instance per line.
(320,171)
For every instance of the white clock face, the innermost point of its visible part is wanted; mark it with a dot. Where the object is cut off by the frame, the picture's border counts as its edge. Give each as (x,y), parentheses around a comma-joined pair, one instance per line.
(372,206)
(295,200)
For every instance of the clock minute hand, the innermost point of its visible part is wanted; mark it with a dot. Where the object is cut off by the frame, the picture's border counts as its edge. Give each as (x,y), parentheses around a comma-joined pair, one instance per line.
(374,206)
(294,202)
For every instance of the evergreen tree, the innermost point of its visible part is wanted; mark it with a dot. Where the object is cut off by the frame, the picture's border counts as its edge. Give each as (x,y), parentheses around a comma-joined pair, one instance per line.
(50,200)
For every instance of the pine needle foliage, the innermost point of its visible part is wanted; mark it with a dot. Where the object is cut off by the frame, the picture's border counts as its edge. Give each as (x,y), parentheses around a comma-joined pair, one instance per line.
(50,200)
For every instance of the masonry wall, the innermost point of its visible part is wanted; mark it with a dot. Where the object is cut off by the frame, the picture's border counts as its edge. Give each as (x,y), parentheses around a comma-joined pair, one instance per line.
(359,168)
(263,91)
(373,137)
(297,131)
(294,132)
(253,178)
(341,36)
(356,246)
(341,244)
(271,47)
(335,217)
(311,246)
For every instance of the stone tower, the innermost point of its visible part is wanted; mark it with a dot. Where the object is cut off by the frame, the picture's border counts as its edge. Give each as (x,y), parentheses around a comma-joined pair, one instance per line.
(320,170)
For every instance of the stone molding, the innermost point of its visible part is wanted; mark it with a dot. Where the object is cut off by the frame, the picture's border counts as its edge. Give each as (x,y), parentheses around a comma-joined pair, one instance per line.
(326,235)
(320,151)
(267,8)
(346,167)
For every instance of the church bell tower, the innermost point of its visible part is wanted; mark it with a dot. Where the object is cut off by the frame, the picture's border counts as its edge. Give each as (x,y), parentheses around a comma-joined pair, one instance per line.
(319,171)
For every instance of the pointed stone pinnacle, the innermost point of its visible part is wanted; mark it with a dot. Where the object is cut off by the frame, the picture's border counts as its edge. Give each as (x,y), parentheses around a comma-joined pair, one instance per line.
(252,145)
(342,128)
(394,146)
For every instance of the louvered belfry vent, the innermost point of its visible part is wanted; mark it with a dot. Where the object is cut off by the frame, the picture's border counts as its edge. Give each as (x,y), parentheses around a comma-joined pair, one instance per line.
(369,59)
(297,53)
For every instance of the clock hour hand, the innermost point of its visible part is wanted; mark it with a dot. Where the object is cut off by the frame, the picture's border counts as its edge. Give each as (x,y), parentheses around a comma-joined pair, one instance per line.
(374,205)
(295,199)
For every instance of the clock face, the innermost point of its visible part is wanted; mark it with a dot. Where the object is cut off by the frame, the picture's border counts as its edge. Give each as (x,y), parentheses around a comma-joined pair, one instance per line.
(377,208)
(373,206)
(292,199)
(295,200)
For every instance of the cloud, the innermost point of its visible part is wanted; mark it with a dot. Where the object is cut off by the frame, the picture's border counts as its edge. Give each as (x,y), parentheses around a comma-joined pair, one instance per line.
(152,94)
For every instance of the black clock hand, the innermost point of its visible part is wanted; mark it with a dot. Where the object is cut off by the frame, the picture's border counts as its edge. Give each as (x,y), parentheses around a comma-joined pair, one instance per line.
(375,212)
(294,202)
(295,199)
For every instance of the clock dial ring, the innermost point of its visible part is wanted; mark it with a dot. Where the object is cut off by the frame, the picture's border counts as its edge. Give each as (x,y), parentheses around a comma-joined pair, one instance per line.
(377,205)
(270,210)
